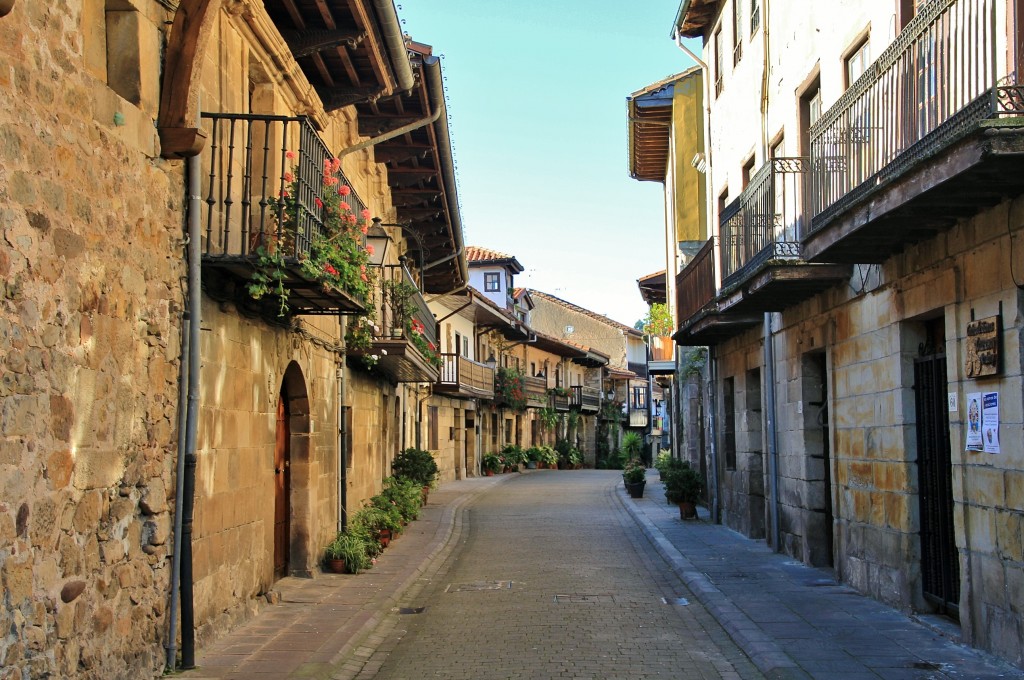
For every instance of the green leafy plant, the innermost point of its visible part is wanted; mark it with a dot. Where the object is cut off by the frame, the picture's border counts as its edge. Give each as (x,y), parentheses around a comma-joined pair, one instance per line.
(336,257)
(399,296)
(508,384)
(491,462)
(407,496)
(683,484)
(548,417)
(634,472)
(631,445)
(658,320)
(534,454)
(415,465)
(350,548)
(512,455)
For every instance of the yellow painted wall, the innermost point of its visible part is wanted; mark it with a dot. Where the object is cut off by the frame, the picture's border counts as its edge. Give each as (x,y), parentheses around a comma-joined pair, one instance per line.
(688,140)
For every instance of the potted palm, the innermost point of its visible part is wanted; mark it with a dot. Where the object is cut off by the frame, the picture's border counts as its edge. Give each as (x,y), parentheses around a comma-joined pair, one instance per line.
(634,477)
(683,486)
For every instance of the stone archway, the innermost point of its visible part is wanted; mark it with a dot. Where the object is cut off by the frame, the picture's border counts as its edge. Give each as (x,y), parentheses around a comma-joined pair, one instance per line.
(294,394)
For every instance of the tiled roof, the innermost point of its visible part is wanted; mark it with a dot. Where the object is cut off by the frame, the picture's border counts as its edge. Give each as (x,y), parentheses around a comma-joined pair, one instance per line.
(594,315)
(478,255)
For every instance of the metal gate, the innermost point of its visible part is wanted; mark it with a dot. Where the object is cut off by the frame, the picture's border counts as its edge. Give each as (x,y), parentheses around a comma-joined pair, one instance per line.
(940,562)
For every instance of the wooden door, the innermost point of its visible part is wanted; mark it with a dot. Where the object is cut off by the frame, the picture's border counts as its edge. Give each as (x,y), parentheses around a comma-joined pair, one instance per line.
(281,490)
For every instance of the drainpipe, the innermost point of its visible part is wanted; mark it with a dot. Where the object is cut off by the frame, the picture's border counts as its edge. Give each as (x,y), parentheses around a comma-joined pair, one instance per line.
(712,438)
(773,451)
(188,482)
(179,492)
(397,132)
(342,442)
(394,42)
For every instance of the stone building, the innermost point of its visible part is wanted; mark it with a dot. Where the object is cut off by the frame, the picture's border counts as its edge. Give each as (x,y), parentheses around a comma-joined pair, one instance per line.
(860,294)
(294,423)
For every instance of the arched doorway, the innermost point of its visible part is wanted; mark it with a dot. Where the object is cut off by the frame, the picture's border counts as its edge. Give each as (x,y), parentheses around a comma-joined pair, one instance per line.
(293,554)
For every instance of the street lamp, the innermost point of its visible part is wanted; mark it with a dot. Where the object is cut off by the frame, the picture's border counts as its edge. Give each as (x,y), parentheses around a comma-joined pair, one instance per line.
(377,241)
(491,362)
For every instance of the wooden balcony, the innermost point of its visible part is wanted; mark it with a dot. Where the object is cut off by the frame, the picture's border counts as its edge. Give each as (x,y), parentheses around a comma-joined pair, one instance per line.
(762,266)
(536,392)
(927,136)
(560,402)
(462,377)
(661,358)
(247,165)
(585,399)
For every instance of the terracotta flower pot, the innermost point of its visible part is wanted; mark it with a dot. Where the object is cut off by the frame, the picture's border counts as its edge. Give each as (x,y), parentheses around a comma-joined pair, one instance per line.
(687,510)
(337,566)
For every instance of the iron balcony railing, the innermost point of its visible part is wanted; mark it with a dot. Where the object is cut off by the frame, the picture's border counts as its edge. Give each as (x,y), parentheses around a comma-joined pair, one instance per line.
(467,375)
(584,398)
(928,89)
(695,284)
(401,309)
(249,164)
(763,223)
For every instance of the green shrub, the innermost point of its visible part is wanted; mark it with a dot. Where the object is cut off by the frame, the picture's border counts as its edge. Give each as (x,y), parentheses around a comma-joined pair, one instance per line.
(492,462)
(634,472)
(352,549)
(683,484)
(416,465)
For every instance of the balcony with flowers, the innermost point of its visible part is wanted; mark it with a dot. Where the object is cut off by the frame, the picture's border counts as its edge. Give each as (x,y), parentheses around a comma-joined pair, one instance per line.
(399,336)
(283,232)
(931,133)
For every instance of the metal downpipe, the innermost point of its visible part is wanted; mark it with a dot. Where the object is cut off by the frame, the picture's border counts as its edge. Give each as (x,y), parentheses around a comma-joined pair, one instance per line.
(179,491)
(773,451)
(188,650)
(712,438)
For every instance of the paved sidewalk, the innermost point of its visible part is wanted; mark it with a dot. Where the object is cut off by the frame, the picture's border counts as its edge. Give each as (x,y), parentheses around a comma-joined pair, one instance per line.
(796,621)
(323,622)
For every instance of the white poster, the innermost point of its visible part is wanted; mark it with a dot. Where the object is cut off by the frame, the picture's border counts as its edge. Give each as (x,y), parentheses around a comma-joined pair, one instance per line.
(990,421)
(974,442)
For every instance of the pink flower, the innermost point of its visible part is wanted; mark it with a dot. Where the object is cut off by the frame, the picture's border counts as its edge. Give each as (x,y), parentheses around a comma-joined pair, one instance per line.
(318,202)
(344,190)
(289,177)
(365,214)
(344,206)
(335,164)
(365,228)
(351,219)
(369,249)
(364,277)
(284,194)
(290,155)
(362,268)
(330,270)
(431,346)
(330,181)
(327,166)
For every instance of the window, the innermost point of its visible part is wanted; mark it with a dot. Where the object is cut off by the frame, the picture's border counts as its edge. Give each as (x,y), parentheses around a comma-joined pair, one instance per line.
(856,61)
(465,347)
(719,49)
(729,427)
(737,34)
(778,147)
(755,16)
(809,113)
(458,344)
(492,282)
(494,429)
(748,170)
(533,368)
(723,200)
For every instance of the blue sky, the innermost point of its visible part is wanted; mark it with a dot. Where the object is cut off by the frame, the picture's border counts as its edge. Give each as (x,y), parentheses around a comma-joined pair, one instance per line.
(537,111)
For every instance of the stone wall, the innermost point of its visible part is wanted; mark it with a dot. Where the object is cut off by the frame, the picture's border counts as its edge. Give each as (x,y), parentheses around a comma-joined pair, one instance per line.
(847,443)
(89,340)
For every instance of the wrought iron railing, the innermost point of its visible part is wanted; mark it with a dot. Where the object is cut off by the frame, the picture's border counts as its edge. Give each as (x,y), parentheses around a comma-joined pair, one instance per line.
(584,398)
(473,376)
(764,222)
(928,89)
(250,162)
(695,284)
(401,307)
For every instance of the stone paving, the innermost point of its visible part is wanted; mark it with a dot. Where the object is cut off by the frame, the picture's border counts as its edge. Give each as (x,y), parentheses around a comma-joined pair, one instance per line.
(559,574)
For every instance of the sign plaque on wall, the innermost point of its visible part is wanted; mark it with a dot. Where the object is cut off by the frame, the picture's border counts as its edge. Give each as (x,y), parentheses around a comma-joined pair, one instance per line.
(983,347)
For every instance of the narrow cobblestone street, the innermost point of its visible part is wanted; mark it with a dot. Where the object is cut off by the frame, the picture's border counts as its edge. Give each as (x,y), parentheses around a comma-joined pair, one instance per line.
(552,578)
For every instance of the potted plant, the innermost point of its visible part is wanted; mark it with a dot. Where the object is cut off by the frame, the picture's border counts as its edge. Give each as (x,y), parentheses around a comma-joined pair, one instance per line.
(491,464)
(418,466)
(533,457)
(549,456)
(512,456)
(683,486)
(634,477)
(347,553)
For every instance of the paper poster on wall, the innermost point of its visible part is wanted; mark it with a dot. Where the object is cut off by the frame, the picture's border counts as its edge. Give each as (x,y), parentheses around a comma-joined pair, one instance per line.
(990,421)
(974,441)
